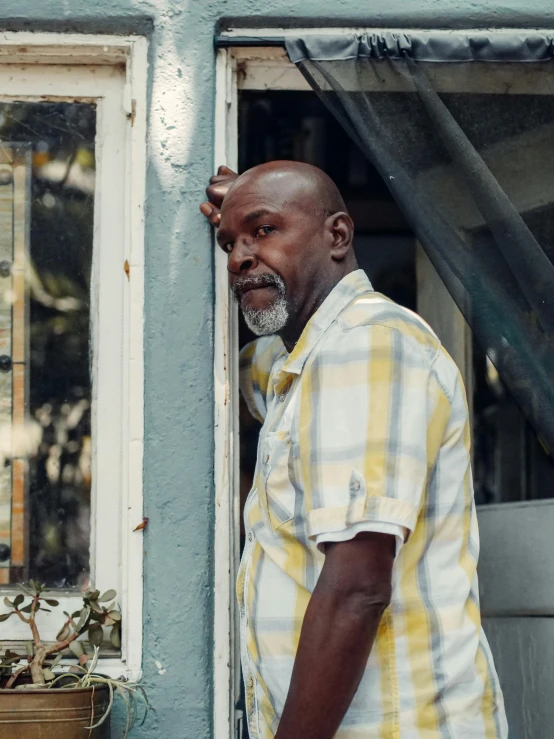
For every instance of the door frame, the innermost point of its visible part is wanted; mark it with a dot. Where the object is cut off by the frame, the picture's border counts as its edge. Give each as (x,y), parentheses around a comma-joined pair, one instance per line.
(255,59)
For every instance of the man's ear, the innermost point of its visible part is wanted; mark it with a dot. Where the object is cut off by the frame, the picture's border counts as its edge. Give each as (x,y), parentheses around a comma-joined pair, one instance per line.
(341,228)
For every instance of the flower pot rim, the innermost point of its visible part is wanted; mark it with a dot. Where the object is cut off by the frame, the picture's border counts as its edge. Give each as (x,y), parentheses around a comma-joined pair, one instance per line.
(54,691)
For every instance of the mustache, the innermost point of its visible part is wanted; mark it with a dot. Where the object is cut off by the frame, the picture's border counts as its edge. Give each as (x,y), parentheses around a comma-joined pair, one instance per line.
(242,284)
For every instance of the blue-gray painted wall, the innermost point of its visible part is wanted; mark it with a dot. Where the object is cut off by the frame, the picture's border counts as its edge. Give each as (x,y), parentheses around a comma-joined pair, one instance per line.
(178,468)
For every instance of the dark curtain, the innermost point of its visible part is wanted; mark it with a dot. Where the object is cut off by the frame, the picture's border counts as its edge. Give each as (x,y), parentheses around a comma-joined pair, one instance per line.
(461,128)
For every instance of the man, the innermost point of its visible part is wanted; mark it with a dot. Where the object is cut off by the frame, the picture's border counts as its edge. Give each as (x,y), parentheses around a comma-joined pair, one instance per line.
(357,587)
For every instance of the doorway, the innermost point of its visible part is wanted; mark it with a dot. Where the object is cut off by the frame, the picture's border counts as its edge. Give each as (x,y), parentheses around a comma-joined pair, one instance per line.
(509,463)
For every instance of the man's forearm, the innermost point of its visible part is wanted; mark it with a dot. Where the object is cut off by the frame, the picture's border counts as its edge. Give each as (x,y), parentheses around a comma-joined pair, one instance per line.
(336,639)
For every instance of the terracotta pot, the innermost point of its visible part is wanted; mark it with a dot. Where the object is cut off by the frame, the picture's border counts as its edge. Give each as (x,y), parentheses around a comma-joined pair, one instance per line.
(54,714)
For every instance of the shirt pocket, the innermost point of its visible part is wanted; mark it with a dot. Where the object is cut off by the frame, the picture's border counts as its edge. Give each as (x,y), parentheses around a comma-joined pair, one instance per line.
(278,494)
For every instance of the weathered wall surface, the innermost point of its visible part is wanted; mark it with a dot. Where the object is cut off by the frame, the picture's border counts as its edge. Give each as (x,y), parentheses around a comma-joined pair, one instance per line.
(179,296)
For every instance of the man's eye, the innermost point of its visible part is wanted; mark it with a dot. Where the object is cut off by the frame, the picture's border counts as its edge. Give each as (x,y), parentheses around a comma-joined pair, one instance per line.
(264,230)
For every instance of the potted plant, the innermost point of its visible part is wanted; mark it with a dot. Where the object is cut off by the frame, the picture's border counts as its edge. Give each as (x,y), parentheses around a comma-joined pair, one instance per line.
(38,701)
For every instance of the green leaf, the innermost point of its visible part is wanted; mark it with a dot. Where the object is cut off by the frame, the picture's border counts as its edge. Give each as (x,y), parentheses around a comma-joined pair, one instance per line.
(32,584)
(115,615)
(18,600)
(8,603)
(48,674)
(5,616)
(83,618)
(11,658)
(95,607)
(75,614)
(63,633)
(76,648)
(52,602)
(27,609)
(57,660)
(108,595)
(115,636)
(95,635)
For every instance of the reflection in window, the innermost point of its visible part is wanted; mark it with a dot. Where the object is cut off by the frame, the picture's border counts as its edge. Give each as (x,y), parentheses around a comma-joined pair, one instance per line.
(47,177)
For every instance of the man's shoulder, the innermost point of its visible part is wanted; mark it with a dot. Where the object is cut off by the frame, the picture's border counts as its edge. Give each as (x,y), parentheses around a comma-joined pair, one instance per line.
(266,348)
(374,309)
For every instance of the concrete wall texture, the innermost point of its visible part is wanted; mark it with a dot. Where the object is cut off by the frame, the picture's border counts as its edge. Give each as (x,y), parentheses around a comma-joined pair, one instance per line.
(178,468)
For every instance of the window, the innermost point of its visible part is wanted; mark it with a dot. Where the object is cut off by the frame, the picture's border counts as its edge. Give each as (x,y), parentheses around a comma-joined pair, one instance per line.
(72,164)
(266,110)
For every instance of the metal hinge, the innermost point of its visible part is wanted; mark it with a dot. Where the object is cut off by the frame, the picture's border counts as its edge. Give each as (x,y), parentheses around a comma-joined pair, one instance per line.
(239,723)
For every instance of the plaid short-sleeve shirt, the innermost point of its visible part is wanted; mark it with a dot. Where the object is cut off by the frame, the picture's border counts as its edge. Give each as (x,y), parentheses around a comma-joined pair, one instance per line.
(365,427)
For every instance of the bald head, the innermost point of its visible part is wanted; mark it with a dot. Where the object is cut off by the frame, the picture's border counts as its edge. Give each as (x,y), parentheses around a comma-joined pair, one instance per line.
(288,238)
(294,184)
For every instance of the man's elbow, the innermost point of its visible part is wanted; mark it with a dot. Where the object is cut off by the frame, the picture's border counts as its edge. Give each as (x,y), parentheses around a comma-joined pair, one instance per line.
(368,601)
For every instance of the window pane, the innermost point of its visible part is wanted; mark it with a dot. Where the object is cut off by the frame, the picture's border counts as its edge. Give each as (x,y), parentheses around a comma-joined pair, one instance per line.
(47,175)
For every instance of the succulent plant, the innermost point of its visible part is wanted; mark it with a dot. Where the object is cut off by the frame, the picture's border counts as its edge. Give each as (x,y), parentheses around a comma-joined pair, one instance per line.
(98,611)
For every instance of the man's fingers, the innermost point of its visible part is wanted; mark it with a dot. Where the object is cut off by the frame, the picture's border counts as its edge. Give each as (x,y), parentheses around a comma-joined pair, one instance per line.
(223,170)
(212,213)
(217,178)
(216,193)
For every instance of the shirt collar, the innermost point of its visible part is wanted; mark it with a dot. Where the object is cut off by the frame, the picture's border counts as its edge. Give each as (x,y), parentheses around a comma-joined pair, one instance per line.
(354,284)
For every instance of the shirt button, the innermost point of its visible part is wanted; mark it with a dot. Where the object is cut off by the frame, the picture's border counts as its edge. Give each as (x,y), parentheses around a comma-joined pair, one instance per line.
(250,683)
(356,485)
(282,397)
(250,537)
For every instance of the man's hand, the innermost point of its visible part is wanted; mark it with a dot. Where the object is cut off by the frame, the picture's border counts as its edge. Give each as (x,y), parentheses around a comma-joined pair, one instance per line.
(216,191)
(338,631)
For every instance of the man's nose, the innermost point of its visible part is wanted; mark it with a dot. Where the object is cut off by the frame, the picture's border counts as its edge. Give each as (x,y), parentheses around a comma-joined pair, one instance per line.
(242,259)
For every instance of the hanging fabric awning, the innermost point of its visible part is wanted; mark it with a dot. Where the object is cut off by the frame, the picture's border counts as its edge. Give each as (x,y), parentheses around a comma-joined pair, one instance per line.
(461,127)
(424,46)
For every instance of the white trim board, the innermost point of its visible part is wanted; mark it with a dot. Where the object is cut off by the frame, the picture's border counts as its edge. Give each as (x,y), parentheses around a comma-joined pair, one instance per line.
(226,661)
(269,68)
(112,72)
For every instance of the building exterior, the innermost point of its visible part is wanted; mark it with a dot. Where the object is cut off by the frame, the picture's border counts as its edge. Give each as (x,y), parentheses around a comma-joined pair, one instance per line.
(178,487)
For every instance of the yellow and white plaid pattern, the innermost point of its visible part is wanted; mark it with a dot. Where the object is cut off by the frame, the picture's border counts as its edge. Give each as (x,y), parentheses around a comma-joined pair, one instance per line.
(365,427)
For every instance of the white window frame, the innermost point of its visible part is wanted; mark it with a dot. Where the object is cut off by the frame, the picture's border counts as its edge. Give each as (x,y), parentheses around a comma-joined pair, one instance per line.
(112,72)
(269,68)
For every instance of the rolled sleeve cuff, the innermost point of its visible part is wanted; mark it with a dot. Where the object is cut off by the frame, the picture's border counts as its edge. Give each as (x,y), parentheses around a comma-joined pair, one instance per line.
(377,510)
(393,529)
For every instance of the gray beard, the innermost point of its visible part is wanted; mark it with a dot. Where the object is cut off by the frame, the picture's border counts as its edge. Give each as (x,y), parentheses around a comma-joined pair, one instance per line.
(269,321)
(272,319)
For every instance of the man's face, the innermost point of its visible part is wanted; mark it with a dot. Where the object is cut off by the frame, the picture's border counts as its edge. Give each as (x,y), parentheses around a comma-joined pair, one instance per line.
(274,238)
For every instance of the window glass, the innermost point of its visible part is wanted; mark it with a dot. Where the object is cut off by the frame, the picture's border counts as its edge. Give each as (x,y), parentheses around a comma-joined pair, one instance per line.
(47,180)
